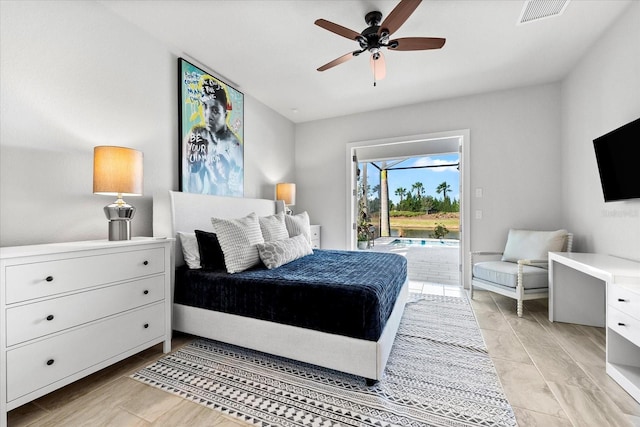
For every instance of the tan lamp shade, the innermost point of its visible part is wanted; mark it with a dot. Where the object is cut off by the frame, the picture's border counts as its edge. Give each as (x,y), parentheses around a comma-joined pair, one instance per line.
(117,171)
(286,191)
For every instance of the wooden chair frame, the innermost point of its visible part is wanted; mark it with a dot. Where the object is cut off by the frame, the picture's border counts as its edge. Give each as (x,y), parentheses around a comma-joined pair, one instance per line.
(518,293)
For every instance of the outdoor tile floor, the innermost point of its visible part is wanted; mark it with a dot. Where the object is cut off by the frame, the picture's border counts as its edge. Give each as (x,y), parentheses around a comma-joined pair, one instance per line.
(426,264)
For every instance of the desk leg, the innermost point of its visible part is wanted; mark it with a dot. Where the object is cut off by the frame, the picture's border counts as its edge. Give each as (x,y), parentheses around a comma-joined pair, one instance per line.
(575,297)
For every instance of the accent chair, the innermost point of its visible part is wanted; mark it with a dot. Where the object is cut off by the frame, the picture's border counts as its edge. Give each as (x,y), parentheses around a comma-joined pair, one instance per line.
(521,272)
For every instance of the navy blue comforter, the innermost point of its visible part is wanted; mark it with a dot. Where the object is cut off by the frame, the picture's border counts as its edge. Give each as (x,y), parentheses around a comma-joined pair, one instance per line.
(342,292)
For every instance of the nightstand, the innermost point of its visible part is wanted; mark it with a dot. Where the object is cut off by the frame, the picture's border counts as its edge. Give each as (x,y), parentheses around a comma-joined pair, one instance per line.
(70,309)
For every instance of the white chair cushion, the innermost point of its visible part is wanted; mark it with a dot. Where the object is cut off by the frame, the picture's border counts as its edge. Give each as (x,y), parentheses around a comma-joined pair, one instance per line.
(506,274)
(533,245)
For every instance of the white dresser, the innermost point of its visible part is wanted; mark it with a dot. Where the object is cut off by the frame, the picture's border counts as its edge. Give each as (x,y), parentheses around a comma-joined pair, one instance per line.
(70,309)
(315,236)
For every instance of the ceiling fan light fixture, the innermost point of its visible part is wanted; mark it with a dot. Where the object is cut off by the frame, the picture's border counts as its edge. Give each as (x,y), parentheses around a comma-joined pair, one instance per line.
(378,67)
(376,36)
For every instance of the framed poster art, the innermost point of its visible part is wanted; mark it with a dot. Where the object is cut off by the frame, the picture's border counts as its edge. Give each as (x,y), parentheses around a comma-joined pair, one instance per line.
(211,141)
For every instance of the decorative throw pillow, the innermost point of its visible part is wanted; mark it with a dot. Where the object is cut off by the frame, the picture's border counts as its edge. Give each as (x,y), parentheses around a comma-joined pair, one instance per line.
(238,239)
(211,255)
(298,224)
(273,227)
(533,245)
(279,252)
(190,250)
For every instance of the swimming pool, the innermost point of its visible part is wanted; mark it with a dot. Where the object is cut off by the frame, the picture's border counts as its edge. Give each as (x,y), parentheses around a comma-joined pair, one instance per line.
(425,242)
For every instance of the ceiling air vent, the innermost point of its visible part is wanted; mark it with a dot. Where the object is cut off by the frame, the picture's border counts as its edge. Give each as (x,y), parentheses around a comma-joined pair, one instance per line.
(534,10)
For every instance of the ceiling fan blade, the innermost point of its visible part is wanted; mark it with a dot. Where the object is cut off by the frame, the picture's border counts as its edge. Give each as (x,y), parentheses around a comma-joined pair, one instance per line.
(416,43)
(338,29)
(398,16)
(337,61)
(378,66)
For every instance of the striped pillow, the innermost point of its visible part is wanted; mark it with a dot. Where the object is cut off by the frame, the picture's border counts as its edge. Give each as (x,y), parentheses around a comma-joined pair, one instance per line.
(273,227)
(298,224)
(238,240)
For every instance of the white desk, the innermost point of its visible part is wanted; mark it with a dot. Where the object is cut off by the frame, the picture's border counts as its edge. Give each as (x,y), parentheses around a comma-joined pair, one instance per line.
(601,290)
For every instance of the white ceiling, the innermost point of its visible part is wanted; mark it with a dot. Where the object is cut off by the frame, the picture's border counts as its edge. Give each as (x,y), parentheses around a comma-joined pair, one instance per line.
(271,49)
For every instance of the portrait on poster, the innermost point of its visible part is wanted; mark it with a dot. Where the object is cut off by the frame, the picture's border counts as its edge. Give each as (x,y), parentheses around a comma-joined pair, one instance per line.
(211,127)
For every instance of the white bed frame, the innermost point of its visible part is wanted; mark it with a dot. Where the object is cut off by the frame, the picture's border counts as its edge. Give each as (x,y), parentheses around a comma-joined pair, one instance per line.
(177,211)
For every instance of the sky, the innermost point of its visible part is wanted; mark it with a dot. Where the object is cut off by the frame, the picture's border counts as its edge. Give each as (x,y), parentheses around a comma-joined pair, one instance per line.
(429,177)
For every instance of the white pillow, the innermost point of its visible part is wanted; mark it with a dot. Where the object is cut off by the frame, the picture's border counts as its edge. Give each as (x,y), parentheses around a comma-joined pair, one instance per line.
(533,245)
(238,239)
(298,224)
(190,250)
(273,227)
(279,252)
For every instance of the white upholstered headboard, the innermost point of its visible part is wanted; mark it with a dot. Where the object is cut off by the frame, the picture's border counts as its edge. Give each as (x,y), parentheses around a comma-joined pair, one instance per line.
(175,211)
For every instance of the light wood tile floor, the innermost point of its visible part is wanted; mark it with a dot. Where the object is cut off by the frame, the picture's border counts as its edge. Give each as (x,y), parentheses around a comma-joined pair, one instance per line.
(552,374)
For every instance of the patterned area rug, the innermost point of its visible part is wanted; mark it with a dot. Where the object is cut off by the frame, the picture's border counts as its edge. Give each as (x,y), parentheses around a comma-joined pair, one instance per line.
(438,374)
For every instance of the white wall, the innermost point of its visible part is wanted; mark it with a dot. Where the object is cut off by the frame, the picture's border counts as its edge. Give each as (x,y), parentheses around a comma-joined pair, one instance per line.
(514,156)
(601,94)
(74,75)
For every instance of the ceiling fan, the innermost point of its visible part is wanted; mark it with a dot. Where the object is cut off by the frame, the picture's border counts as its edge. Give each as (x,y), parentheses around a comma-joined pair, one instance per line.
(376,36)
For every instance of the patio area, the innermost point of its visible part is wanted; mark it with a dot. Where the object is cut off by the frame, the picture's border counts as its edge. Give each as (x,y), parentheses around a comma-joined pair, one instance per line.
(430,263)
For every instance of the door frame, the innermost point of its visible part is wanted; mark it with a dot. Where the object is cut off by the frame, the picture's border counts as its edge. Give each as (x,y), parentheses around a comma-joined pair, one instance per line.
(395,144)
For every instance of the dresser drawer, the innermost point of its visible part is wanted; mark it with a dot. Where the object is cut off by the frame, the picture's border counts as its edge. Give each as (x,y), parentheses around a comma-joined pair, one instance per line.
(37,365)
(35,320)
(625,300)
(625,325)
(40,279)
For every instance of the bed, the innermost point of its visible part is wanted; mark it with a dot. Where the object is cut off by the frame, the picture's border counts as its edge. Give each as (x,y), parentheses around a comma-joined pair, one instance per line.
(361,351)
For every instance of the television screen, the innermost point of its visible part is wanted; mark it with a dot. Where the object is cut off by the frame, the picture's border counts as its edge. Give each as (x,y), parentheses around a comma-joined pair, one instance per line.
(618,157)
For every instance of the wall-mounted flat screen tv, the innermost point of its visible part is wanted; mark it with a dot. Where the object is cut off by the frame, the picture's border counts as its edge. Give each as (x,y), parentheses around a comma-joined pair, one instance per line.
(618,157)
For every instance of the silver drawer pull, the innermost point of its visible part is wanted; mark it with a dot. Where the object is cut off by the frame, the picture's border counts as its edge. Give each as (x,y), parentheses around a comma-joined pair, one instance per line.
(622,300)
(49,279)
(621,324)
(50,317)
(50,362)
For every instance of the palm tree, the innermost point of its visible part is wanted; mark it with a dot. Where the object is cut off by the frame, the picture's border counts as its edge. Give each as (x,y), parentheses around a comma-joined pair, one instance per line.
(375,190)
(385,224)
(401,192)
(443,188)
(418,187)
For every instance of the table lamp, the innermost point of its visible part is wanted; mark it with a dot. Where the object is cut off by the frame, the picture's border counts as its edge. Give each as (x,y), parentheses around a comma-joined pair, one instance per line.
(117,171)
(286,191)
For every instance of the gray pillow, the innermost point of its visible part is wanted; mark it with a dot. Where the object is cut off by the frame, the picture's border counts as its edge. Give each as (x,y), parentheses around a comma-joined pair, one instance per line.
(298,224)
(238,239)
(533,245)
(279,252)
(273,227)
